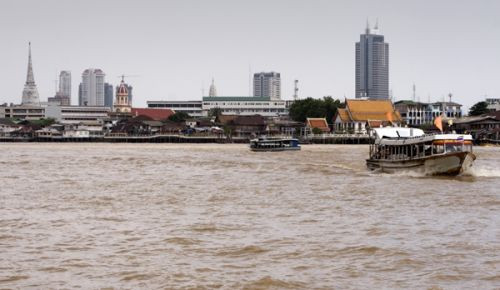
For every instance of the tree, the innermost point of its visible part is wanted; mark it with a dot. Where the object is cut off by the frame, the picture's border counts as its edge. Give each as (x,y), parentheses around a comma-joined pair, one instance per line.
(316,131)
(479,108)
(179,117)
(215,112)
(43,122)
(314,108)
(331,107)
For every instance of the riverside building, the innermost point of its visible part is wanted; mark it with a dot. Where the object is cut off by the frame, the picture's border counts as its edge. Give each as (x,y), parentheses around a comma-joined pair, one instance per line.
(22,112)
(360,115)
(372,65)
(76,114)
(418,113)
(264,106)
(193,108)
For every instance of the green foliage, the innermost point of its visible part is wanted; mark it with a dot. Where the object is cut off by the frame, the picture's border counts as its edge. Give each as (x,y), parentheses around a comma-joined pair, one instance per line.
(214,112)
(315,108)
(43,122)
(316,131)
(479,108)
(179,117)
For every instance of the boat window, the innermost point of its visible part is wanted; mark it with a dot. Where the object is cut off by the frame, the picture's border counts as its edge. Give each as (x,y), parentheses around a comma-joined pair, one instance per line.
(438,149)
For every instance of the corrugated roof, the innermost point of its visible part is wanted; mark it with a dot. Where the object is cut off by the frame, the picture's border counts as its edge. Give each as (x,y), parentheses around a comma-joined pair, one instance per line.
(155,114)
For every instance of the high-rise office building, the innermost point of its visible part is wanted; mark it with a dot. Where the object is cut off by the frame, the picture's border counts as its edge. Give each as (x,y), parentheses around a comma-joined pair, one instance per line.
(372,65)
(30,91)
(267,84)
(92,88)
(65,83)
(108,95)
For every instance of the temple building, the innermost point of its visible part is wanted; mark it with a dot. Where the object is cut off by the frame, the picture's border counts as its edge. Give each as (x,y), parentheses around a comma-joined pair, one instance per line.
(122,104)
(30,92)
(359,115)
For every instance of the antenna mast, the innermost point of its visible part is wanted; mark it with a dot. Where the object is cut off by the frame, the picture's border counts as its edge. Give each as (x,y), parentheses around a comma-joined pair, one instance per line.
(296,90)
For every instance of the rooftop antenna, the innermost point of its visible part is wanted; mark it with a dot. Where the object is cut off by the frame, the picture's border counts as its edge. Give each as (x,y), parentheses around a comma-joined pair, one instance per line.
(449,96)
(296,90)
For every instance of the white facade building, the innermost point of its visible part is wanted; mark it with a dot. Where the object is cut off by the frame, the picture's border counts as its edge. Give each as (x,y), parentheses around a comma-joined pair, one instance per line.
(264,106)
(22,112)
(193,108)
(92,88)
(493,104)
(76,114)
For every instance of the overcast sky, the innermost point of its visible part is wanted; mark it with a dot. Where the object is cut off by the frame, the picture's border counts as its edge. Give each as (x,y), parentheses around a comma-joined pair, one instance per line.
(174,48)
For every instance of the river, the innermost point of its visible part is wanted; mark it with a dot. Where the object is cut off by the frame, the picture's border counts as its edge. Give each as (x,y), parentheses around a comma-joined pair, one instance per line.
(219,216)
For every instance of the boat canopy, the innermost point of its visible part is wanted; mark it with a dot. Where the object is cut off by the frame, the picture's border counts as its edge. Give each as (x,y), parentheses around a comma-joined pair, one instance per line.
(397,132)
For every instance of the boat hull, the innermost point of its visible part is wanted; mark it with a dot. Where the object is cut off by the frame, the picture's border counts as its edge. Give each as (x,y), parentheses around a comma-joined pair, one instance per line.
(444,164)
(275,149)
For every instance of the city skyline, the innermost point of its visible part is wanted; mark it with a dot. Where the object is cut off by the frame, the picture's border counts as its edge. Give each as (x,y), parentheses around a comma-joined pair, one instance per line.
(175,60)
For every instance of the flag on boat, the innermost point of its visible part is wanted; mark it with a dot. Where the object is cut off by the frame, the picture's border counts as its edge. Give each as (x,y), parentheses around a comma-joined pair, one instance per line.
(438,122)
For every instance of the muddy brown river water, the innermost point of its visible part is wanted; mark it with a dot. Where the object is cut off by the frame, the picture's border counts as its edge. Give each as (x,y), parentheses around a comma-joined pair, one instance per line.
(219,216)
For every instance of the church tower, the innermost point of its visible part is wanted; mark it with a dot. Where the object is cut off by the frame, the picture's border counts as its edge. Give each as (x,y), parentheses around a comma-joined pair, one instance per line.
(122,104)
(30,92)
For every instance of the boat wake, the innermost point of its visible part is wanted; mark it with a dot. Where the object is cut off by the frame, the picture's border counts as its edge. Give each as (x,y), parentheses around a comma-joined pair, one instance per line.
(482,172)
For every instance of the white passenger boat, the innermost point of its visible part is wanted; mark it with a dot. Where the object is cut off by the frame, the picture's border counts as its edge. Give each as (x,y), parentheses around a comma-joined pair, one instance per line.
(398,149)
(274,144)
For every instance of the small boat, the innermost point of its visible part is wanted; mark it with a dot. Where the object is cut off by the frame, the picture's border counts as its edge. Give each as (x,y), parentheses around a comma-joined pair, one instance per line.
(397,149)
(274,144)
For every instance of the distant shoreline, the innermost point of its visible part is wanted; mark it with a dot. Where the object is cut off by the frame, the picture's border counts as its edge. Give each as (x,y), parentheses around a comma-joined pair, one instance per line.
(177,139)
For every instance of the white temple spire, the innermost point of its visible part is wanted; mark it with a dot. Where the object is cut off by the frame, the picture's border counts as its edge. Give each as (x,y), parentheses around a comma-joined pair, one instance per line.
(30,92)
(213,91)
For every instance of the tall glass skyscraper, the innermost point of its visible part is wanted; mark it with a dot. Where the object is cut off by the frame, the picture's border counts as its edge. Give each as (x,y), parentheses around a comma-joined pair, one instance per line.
(372,65)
